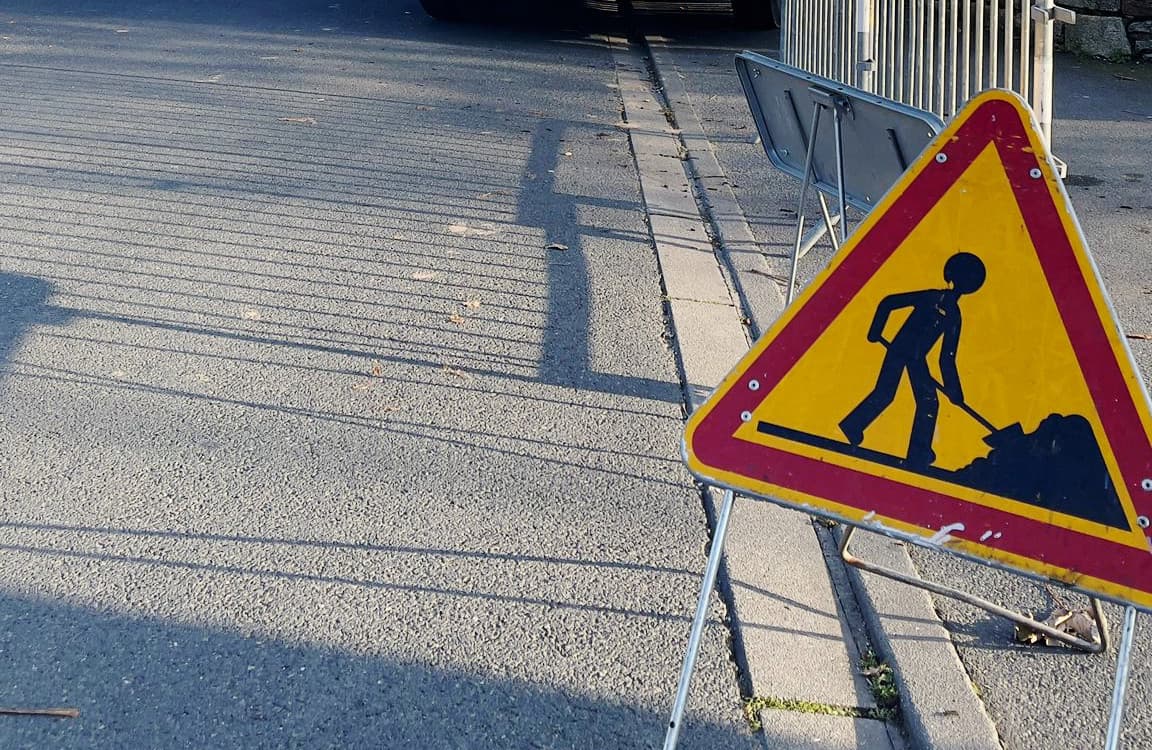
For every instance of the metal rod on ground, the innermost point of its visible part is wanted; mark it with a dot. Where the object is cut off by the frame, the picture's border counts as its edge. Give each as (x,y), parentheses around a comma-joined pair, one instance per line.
(711,569)
(975,601)
(811,147)
(1123,659)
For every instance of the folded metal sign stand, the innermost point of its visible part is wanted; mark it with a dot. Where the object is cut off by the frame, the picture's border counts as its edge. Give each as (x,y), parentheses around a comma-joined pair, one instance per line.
(871,142)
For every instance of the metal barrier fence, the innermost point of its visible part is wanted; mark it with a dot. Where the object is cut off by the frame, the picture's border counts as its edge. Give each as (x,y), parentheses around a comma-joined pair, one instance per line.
(930,54)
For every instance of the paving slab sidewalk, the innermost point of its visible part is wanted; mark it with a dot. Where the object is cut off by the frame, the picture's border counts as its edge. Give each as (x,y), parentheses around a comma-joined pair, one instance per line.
(795,643)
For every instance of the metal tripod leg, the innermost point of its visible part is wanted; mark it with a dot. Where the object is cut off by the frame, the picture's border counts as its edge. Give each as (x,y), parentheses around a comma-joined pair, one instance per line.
(996,609)
(710,570)
(1123,659)
(837,119)
(817,232)
(812,131)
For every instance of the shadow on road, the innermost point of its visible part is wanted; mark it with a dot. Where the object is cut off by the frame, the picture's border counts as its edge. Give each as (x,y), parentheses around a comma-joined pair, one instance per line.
(206,687)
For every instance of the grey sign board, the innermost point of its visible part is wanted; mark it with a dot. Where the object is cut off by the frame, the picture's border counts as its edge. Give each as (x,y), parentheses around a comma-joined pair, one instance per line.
(879,138)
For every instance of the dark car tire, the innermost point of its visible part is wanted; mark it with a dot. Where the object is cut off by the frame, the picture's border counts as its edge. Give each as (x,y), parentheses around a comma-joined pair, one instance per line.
(446,10)
(757,14)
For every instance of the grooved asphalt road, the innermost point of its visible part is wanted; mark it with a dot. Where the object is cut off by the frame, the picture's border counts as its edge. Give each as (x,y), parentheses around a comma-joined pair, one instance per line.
(309,438)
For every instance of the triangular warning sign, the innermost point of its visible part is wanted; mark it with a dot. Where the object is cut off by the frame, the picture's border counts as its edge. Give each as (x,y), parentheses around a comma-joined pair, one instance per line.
(956,375)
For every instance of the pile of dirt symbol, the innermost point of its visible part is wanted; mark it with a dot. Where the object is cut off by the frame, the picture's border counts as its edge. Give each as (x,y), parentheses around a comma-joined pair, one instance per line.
(1058,467)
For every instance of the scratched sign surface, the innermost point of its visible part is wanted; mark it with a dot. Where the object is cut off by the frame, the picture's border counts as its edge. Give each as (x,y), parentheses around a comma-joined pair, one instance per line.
(955,376)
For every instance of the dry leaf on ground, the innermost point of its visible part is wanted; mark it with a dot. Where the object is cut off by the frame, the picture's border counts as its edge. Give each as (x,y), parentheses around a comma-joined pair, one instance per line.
(472,304)
(457,372)
(555,246)
(299,120)
(1077,622)
(1140,336)
(424,275)
(457,318)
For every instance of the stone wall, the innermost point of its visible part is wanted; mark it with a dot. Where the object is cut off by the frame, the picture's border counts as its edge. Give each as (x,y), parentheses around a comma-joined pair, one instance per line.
(1116,29)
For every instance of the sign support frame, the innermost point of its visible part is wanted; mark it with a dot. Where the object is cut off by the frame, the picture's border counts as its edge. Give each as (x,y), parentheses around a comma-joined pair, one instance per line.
(943,590)
(803,244)
(715,556)
(1123,661)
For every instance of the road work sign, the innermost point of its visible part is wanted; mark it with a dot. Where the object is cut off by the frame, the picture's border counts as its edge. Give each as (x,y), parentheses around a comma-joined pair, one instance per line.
(955,376)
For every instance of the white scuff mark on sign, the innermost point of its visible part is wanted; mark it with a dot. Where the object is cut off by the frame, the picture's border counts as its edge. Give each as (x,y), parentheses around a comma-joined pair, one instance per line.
(869,516)
(984,537)
(944,535)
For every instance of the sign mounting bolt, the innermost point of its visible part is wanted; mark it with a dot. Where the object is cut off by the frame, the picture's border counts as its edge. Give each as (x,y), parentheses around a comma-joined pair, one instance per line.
(1142,521)
(941,158)
(753,385)
(1147,485)
(1036,173)
(745,416)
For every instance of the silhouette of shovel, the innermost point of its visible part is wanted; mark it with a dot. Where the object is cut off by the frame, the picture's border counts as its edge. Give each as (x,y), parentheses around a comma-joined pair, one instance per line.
(996,437)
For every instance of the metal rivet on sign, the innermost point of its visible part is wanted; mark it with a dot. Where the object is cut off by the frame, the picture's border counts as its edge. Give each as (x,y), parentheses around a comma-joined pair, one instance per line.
(1142,521)
(941,158)
(745,416)
(753,385)
(1036,173)
(1147,485)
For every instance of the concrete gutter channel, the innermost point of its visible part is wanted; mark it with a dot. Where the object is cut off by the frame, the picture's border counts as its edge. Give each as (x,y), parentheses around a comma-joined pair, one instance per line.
(802,622)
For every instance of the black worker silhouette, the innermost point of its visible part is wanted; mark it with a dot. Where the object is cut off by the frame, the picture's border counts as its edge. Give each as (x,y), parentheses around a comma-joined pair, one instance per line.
(1058,466)
(935,315)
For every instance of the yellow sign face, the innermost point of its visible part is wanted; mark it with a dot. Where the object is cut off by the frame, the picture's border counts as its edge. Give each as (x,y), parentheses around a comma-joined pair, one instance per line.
(956,366)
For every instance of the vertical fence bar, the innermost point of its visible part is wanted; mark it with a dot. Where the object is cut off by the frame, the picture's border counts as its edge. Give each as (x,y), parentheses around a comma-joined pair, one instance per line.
(885,59)
(940,73)
(966,41)
(809,47)
(879,59)
(1009,48)
(799,11)
(844,11)
(821,23)
(1042,70)
(953,56)
(784,28)
(930,54)
(802,39)
(788,53)
(917,54)
(900,41)
(1025,48)
(848,16)
(866,13)
(830,40)
(978,46)
(993,44)
(794,13)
